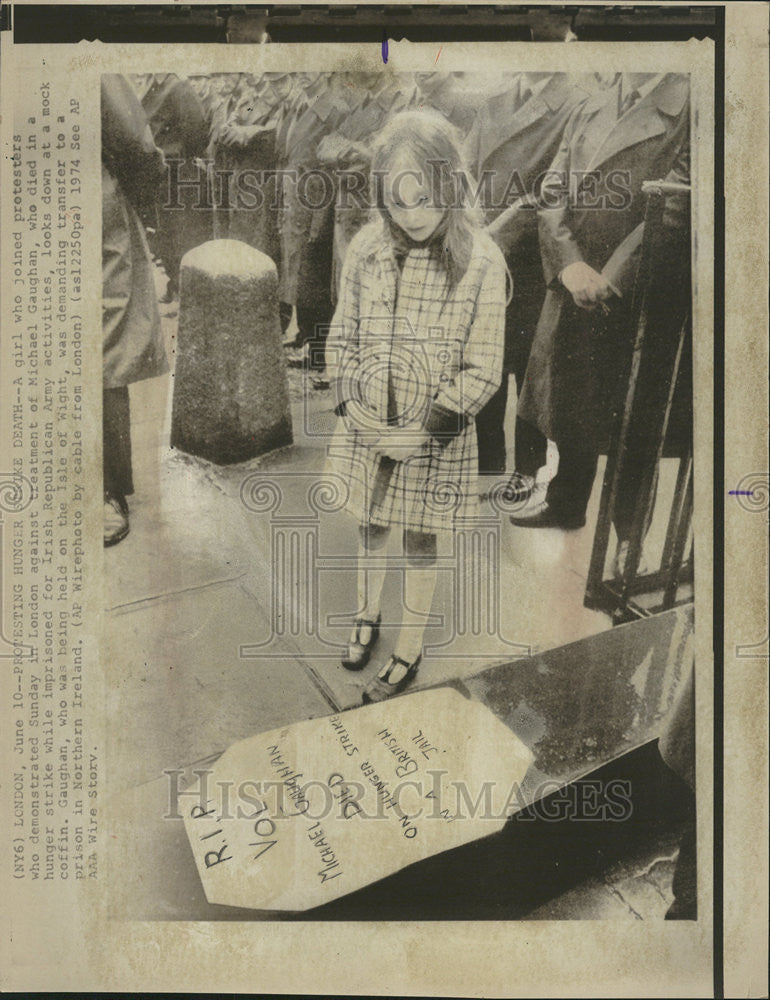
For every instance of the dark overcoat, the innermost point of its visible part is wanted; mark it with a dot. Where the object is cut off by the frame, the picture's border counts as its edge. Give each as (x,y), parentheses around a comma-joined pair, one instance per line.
(132,168)
(460,97)
(578,357)
(252,202)
(313,115)
(510,147)
(180,127)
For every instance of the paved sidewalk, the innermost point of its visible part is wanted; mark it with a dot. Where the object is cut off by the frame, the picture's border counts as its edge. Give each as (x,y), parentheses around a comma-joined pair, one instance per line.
(201,594)
(198,579)
(208,640)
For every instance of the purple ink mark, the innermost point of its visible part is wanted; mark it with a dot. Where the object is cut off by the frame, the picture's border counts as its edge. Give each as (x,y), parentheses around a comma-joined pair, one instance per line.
(384,46)
(741,493)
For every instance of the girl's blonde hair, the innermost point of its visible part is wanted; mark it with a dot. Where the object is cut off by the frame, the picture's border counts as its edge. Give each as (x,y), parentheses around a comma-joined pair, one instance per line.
(433,144)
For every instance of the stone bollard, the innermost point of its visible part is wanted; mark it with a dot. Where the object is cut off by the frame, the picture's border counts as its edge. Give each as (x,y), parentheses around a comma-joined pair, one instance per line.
(231,398)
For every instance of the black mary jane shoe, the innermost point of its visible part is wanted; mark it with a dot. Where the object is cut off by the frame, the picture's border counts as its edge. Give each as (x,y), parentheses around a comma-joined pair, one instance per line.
(381,688)
(359,652)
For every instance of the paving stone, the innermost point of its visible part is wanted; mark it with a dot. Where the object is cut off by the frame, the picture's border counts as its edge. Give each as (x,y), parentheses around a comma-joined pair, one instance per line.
(193,583)
(180,690)
(185,533)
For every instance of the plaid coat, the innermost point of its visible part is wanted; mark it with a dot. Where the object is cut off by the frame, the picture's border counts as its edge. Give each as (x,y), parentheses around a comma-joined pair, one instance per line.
(407,349)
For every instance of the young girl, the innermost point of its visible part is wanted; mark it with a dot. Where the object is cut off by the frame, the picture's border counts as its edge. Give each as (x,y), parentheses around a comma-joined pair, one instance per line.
(414,352)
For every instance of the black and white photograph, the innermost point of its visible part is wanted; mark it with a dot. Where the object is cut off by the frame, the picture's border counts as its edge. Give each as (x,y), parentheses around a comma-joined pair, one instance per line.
(392,541)
(368,340)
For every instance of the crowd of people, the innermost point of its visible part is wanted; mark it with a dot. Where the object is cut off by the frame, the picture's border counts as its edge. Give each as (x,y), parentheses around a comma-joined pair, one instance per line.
(551,166)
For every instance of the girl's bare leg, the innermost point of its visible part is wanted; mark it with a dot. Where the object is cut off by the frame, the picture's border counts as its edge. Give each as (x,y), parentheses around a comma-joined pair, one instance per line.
(371,574)
(419,585)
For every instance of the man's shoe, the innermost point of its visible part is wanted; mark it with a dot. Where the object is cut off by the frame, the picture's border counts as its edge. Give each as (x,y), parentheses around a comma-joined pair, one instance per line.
(360,646)
(298,359)
(116,525)
(541,515)
(171,294)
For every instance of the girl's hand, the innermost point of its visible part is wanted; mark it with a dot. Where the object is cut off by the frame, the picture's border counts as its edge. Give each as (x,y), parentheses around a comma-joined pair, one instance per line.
(402,444)
(367,430)
(369,438)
